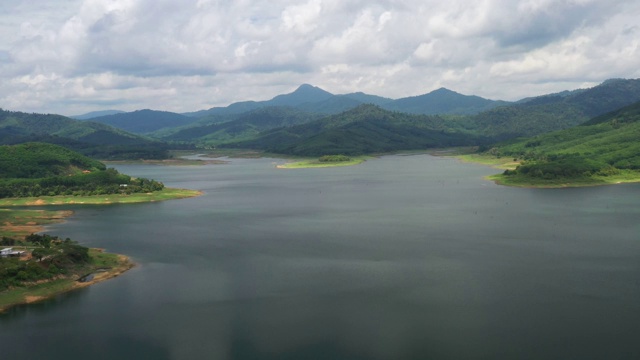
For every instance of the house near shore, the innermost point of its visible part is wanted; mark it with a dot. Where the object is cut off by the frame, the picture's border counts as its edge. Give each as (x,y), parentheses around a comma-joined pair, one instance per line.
(11,252)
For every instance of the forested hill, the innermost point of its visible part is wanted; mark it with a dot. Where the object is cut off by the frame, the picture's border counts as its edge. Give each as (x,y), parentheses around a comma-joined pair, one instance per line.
(442,101)
(606,145)
(144,121)
(365,129)
(557,111)
(90,138)
(243,126)
(36,169)
(39,160)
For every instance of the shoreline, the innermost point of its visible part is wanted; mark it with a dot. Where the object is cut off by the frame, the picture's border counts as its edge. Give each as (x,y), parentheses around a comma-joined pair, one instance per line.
(313,163)
(46,290)
(19,223)
(165,194)
(22,222)
(507,163)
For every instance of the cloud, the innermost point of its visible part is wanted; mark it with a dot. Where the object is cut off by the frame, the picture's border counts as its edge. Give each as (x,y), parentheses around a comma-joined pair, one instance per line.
(188,55)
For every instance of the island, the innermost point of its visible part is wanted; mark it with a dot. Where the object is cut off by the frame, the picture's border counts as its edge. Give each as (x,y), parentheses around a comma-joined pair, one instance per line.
(324,162)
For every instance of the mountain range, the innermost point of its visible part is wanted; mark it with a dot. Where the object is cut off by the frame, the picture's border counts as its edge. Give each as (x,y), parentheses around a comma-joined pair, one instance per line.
(312,121)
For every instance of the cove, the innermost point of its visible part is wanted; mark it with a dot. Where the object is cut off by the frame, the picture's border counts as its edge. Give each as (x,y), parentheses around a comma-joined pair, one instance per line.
(401,257)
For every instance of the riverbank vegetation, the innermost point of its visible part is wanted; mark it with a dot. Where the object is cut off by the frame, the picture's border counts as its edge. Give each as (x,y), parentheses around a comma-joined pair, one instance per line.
(604,150)
(164,194)
(101,266)
(38,169)
(324,162)
(50,265)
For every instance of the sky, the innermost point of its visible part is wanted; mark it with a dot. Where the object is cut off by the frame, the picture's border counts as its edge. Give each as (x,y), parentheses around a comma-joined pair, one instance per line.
(74,56)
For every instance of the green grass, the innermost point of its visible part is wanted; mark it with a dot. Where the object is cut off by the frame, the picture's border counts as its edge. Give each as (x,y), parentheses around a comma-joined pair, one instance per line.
(626,176)
(509,163)
(504,163)
(314,163)
(14,223)
(45,290)
(165,194)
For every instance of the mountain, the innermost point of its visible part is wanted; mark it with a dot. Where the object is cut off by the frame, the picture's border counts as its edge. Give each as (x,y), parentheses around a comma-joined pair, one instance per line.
(442,101)
(313,99)
(144,121)
(94,114)
(305,93)
(365,129)
(90,138)
(366,98)
(243,126)
(556,111)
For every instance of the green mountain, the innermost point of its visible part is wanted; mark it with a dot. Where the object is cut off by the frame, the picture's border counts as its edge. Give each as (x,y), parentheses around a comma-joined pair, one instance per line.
(604,146)
(243,126)
(95,114)
(313,99)
(442,101)
(365,129)
(557,111)
(366,98)
(304,94)
(90,138)
(144,121)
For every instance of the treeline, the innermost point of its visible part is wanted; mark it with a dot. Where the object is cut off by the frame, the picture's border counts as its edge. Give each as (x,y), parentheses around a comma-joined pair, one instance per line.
(53,257)
(38,169)
(38,160)
(334,158)
(571,166)
(94,183)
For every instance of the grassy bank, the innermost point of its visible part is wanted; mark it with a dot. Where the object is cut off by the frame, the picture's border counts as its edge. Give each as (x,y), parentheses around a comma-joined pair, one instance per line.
(503,163)
(103,265)
(625,176)
(507,163)
(169,162)
(315,163)
(19,223)
(165,194)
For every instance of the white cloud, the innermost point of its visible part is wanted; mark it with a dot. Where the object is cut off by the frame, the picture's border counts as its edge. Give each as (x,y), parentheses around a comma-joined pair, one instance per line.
(72,56)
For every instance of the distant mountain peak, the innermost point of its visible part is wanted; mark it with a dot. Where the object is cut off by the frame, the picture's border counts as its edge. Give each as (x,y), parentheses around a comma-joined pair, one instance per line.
(303,94)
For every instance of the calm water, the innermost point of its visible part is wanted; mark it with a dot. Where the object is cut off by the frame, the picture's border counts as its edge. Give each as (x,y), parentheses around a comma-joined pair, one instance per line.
(403,257)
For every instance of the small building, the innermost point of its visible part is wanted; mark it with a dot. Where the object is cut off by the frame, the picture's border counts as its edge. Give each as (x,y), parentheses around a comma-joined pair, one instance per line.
(11,252)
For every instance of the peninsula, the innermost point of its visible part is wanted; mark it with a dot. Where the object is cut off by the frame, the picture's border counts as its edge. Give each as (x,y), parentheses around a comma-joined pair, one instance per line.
(35,266)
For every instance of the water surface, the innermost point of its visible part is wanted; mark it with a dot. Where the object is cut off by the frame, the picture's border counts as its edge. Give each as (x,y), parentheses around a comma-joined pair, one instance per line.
(403,257)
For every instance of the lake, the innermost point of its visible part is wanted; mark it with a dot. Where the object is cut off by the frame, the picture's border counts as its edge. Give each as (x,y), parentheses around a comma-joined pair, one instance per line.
(401,257)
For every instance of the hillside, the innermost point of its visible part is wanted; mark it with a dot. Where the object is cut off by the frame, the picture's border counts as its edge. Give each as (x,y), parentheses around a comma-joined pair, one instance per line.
(38,169)
(95,114)
(90,138)
(38,160)
(442,101)
(313,99)
(243,126)
(144,121)
(604,146)
(557,111)
(365,129)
